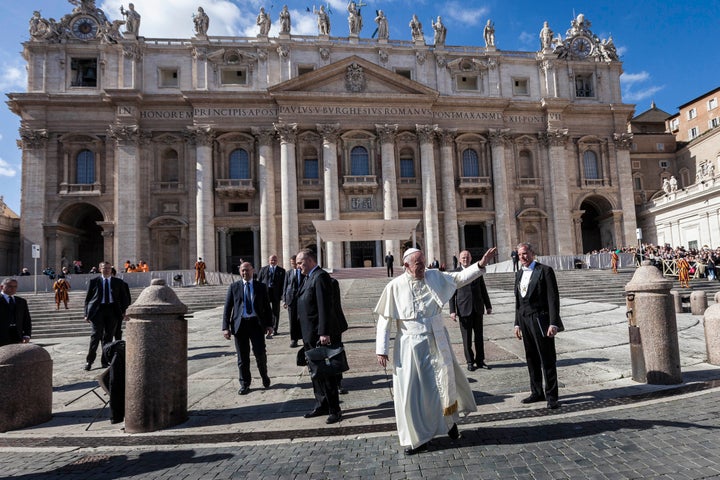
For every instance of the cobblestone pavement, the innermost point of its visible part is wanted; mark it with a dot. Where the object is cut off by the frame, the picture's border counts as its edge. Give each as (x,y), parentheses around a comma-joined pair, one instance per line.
(675,438)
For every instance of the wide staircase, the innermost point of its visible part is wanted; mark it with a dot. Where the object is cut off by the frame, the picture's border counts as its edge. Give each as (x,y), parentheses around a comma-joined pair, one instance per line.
(591,285)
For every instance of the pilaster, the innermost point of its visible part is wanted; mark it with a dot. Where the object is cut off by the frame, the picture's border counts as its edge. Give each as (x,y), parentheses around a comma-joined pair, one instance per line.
(447,187)
(389,176)
(127,187)
(288,189)
(623,142)
(556,140)
(329,134)
(266,191)
(204,136)
(426,134)
(506,224)
(34,148)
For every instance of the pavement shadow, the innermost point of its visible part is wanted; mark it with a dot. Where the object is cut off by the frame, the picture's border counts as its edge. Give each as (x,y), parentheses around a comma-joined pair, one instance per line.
(111,467)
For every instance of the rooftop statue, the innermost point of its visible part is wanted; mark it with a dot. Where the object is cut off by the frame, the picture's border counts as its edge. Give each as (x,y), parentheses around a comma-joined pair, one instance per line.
(285,20)
(201,21)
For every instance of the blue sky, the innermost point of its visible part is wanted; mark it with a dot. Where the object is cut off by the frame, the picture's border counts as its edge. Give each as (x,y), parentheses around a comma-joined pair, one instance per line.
(668,48)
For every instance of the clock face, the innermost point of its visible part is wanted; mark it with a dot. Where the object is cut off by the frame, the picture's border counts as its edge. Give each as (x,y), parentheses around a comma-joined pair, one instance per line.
(85,28)
(581,46)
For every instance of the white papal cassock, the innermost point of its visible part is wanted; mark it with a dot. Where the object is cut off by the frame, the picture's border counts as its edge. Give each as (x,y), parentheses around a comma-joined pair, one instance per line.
(430,388)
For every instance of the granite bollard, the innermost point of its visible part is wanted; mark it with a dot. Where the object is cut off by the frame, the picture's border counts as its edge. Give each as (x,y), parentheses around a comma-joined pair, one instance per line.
(711,324)
(654,315)
(156,391)
(698,302)
(25,386)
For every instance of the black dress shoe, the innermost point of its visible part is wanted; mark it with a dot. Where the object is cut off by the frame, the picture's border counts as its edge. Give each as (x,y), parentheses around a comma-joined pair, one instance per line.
(453,432)
(105,365)
(87,367)
(416,450)
(293,344)
(484,365)
(471,367)
(244,390)
(333,418)
(266,382)
(318,412)
(553,404)
(533,399)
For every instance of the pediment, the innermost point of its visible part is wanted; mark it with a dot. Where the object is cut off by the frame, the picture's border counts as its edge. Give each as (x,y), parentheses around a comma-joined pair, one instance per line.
(353,76)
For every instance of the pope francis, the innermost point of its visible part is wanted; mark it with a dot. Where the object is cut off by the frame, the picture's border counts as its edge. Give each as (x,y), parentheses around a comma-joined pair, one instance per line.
(430,388)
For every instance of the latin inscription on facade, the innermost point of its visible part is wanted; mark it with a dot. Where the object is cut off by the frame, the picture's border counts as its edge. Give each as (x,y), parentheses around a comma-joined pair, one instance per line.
(361,203)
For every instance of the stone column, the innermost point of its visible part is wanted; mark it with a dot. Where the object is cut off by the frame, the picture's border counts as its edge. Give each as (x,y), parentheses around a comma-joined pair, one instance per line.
(654,315)
(329,134)
(389,177)
(623,142)
(204,137)
(222,244)
(128,199)
(266,191)
(447,185)
(489,234)
(426,134)
(34,148)
(711,325)
(501,195)
(461,228)
(156,390)
(108,232)
(288,189)
(256,247)
(556,139)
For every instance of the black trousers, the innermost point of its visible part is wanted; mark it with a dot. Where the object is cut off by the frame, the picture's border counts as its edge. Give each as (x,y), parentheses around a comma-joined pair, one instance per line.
(471,328)
(390,269)
(250,333)
(295,329)
(541,358)
(275,306)
(103,327)
(327,387)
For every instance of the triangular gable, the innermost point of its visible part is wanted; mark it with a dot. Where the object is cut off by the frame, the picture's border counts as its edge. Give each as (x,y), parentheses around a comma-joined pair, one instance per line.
(352,76)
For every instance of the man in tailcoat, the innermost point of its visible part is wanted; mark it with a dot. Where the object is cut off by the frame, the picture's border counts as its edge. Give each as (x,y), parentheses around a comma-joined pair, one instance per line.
(537,322)
(15,323)
(105,304)
(273,276)
(248,318)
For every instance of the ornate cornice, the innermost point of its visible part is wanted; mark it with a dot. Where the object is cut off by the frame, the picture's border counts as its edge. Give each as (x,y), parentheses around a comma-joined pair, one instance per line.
(31,139)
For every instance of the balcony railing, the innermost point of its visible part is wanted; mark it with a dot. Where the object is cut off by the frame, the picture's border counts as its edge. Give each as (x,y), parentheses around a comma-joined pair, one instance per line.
(168,187)
(87,189)
(235,187)
(474,184)
(360,183)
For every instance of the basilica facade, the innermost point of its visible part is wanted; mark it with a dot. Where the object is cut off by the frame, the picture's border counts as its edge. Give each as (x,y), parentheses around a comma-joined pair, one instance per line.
(231,148)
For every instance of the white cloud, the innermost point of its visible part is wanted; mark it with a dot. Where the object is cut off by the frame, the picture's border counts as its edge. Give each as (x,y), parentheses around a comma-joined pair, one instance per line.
(7,170)
(630,95)
(633,88)
(529,39)
(460,13)
(13,77)
(633,78)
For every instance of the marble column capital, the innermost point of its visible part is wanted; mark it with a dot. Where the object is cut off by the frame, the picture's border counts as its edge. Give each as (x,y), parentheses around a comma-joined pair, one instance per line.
(447,136)
(426,133)
(329,131)
(124,133)
(554,137)
(386,132)
(623,141)
(265,136)
(202,135)
(499,136)
(32,139)
(287,132)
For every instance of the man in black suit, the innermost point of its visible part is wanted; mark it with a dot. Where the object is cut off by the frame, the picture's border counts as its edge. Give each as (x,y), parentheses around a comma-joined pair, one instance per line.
(273,276)
(105,304)
(468,303)
(126,288)
(320,326)
(389,260)
(537,321)
(290,289)
(15,323)
(247,316)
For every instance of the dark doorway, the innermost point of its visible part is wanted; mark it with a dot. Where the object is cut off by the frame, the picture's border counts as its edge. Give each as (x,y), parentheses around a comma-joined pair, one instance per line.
(475,241)
(591,237)
(81,235)
(242,248)
(362,254)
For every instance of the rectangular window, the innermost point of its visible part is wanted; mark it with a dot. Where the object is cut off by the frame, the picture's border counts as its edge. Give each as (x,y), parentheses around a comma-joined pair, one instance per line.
(692,133)
(473,203)
(714,122)
(311,204)
(467,83)
(409,202)
(660,147)
(407,168)
(664,164)
(674,123)
(584,86)
(310,169)
(168,77)
(520,86)
(234,76)
(636,164)
(638,183)
(712,104)
(239,207)
(692,113)
(83,72)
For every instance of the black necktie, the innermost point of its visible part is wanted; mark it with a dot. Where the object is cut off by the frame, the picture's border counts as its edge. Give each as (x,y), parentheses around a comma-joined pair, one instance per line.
(248,300)
(106,289)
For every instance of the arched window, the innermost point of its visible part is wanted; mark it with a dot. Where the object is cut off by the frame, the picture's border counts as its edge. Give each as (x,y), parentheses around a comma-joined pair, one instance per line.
(525,165)
(590,164)
(471,164)
(85,167)
(239,164)
(359,161)
(169,168)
